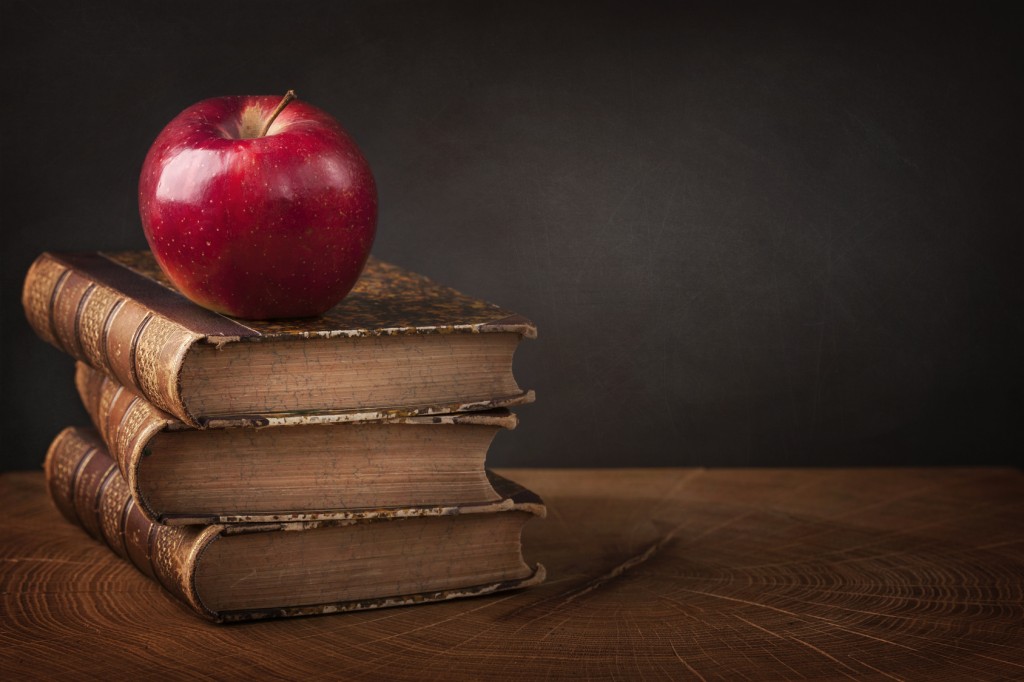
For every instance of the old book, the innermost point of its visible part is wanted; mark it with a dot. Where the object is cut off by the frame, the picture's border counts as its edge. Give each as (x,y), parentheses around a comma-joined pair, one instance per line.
(250,571)
(398,344)
(229,473)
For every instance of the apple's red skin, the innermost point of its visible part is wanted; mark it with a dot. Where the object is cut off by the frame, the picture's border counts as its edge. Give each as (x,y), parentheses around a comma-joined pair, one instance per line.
(260,228)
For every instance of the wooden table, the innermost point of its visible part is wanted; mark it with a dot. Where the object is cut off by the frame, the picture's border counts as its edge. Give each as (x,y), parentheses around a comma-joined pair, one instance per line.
(653,574)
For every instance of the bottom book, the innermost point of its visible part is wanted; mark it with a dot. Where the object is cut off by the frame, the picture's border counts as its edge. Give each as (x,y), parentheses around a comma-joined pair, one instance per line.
(230,573)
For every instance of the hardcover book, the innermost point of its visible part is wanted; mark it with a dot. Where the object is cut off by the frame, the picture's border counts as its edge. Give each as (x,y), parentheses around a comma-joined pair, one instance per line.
(231,473)
(251,571)
(399,344)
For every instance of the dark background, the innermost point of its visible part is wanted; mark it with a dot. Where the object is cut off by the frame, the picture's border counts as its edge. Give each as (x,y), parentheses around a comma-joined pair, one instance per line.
(786,234)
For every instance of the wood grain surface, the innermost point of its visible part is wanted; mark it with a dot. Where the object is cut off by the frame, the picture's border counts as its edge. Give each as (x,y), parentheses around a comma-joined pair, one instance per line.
(653,574)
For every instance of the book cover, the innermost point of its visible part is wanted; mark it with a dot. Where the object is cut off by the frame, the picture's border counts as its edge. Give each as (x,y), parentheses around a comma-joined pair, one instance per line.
(399,343)
(296,569)
(273,469)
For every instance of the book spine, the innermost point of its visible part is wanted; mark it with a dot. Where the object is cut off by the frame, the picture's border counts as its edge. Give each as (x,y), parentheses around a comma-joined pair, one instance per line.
(88,490)
(125,421)
(109,331)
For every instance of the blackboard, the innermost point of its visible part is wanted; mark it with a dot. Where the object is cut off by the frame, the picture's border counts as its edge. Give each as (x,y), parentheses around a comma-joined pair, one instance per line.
(754,234)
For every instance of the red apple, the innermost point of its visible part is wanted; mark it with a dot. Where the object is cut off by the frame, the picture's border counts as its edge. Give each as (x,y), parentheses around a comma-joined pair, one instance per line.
(258,207)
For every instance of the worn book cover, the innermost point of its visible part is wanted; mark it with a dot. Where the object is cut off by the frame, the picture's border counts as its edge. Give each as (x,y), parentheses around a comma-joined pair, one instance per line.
(250,571)
(398,344)
(273,470)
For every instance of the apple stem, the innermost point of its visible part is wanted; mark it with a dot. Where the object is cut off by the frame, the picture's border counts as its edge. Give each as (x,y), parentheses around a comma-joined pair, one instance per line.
(288,97)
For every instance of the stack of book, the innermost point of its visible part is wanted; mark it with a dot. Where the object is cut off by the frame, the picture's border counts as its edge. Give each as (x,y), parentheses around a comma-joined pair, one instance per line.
(277,468)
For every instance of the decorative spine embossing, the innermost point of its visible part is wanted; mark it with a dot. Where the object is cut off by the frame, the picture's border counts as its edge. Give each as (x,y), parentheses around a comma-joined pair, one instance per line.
(67,305)
(100,304)
(72,464)
(113,502)
(109,331)
(37,295)
(161,345)
(86,487)
(125,421)
(133,347)
(66,453)
(107,426)
(88,481)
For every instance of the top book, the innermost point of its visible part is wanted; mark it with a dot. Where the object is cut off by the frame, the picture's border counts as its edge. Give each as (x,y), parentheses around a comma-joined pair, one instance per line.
(398,345)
